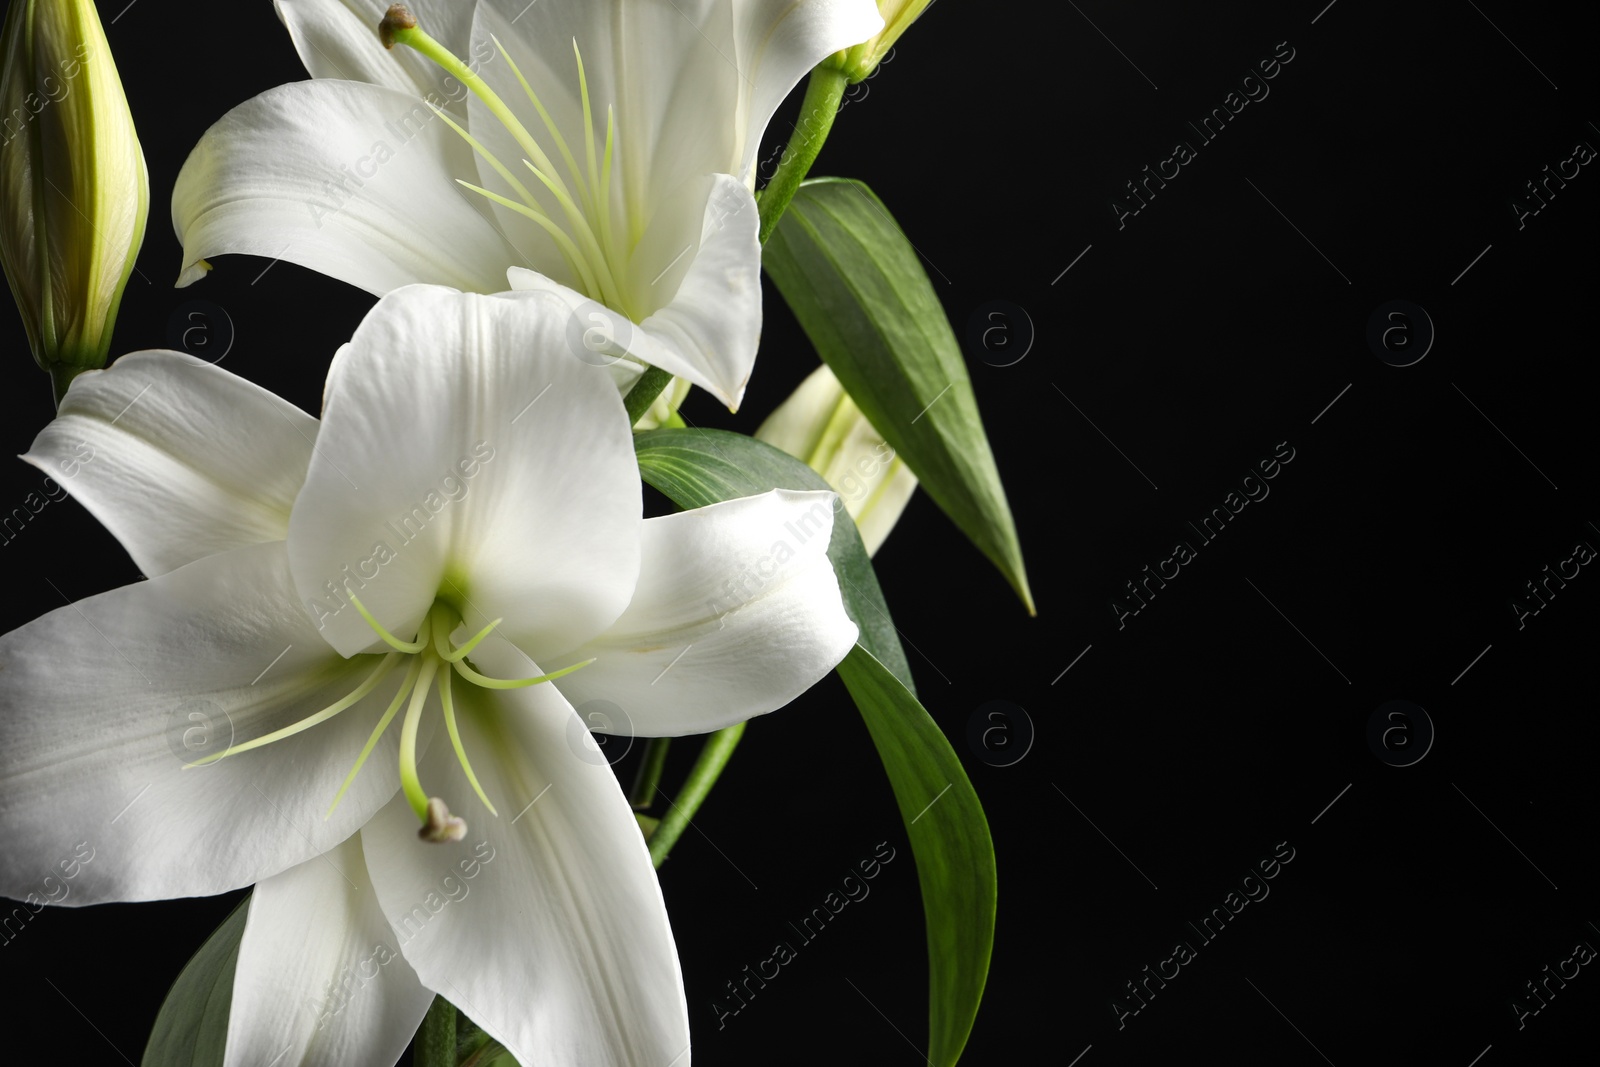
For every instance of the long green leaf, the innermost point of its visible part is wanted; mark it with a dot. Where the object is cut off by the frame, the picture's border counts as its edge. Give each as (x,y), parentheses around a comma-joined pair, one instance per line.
(950,837)
(191,1029)
(698,467)
(855,283)
(949,834)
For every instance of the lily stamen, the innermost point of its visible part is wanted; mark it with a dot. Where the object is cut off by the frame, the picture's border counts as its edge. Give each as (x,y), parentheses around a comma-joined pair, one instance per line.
(433,658)
(586,240)
(465,650)
(408,738)
(368,684)
(409,647)
(377,732)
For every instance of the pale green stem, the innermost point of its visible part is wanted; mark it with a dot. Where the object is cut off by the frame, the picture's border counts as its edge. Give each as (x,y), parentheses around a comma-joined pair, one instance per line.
(823,93)
(713,757)
(649,776)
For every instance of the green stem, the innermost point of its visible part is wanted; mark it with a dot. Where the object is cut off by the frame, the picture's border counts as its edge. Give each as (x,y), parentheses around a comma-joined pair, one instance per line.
(644,392)
(436,1040)
(823,93)
(61,376)
(649,776)
(714,757)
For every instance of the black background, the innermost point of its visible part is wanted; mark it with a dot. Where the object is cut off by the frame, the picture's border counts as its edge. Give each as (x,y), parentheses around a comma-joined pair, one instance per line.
(1224,717)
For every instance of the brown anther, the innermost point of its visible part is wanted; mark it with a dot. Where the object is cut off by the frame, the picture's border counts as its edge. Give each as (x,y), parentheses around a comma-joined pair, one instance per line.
(398,17)
(441,825)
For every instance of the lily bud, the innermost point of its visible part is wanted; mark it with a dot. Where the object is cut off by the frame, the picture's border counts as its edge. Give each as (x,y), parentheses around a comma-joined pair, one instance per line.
(863,59)
(822,426)
(74,192)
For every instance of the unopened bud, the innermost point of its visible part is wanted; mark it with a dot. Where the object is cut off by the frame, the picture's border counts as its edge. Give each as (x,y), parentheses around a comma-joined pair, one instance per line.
(74,192)
(863,59)
(822,426)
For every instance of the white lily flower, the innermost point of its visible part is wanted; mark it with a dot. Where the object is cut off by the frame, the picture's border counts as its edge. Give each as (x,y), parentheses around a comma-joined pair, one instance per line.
(604,150)
(471,489)
(820,425)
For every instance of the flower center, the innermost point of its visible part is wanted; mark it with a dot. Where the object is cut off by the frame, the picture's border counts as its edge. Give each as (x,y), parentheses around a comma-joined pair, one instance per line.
(433,659)
(577,216)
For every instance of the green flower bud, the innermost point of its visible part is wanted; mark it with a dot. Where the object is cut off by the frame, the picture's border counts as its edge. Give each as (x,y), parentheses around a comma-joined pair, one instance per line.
(821,425)
(863,59)
(73,187)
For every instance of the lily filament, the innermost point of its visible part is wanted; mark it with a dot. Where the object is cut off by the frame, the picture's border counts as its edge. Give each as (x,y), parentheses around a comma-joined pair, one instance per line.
(432,659)
(592,243)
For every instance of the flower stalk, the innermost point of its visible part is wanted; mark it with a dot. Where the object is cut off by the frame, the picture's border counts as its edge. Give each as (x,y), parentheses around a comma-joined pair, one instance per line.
(713,758)
(649,776)
(823,93)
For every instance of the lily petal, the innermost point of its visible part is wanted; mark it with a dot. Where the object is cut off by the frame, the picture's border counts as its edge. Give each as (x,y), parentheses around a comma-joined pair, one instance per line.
(466,454)
(779,41)
(708,332)
(104,701)
(694,82)
(339,39)
(737,613)
(353,180)
(546,925)
(176,457)
(320,980)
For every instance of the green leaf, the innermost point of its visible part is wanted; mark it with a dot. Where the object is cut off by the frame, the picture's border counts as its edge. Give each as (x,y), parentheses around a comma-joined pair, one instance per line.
(698,467)
(191,1029)
(855,283)
(950,838)
(948,831)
